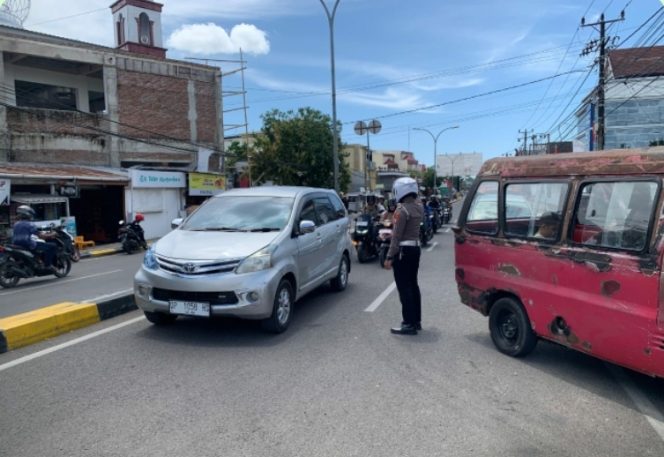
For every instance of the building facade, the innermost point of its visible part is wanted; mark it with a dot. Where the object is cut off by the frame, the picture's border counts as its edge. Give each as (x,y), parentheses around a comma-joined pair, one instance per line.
(634,104)
(70,109)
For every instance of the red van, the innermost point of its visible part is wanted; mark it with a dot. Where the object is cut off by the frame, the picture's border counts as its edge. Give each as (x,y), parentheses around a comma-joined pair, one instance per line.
(568,248)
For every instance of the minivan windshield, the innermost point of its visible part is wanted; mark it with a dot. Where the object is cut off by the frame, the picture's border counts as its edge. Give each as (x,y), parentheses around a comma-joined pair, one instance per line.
(236,213)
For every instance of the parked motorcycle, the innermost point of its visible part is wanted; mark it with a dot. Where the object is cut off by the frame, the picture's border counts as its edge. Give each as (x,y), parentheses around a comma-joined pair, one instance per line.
(385,238)
(23,264)
(364,238)
(67,240)
(131,235)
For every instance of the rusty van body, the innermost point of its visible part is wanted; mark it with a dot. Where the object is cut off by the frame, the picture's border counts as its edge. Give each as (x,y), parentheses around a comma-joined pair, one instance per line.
(568,248)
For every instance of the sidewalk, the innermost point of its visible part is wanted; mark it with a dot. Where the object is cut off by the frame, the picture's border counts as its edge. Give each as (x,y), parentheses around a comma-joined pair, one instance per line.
(28,328)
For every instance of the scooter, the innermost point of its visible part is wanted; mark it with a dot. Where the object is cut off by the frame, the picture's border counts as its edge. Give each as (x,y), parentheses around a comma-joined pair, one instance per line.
(364,238)
(426,230)
(131,236)
(67,240)
(385,238)
(20,264)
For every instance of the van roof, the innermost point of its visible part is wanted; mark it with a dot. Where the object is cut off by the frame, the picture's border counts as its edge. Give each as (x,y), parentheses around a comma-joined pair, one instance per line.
(609,162)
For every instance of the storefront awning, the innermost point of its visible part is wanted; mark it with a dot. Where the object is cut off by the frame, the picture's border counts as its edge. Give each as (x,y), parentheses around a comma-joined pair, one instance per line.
(33,199)
(63,172)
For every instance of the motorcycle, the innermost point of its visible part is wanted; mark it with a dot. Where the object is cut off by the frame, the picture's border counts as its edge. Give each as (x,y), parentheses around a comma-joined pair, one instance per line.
(385,238)
(364,238)
(67,240)
(426,229)
(20,264)
(446,214)
(131,236)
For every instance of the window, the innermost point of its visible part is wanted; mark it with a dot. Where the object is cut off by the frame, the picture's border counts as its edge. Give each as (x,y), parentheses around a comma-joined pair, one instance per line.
(615,214)
(535,210)
(96,101)
(308,213)
(483,213)
(325,210)
(338,207)
(35,95)
(144,32)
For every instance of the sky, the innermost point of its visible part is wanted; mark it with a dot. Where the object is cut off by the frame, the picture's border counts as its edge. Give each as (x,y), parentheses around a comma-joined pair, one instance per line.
(492,68)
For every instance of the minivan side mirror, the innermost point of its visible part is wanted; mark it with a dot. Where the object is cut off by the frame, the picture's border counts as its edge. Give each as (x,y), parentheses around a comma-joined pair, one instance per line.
(175,223)
(307,227)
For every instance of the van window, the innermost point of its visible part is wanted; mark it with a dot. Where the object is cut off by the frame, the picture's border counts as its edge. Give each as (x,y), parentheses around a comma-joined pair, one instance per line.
(614,214)
(483,213)
(534,210)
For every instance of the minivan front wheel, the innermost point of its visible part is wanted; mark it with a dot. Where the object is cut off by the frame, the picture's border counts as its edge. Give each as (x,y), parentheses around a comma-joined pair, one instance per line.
(282,309)
(510,328)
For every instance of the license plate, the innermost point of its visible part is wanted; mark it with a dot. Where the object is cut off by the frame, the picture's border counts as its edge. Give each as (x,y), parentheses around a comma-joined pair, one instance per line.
(190,308)
(362,224)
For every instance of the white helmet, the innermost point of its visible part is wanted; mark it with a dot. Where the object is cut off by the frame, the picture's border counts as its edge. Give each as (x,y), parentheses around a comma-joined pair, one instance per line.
(403,187)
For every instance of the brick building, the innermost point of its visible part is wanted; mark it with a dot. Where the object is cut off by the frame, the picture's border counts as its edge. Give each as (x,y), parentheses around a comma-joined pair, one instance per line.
(77,116)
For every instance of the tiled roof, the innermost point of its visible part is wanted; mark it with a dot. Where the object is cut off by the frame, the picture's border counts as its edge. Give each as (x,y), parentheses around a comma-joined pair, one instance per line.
(32,171)
(637,62)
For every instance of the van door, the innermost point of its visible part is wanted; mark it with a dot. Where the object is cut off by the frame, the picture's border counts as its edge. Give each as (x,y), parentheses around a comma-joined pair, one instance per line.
(613,275)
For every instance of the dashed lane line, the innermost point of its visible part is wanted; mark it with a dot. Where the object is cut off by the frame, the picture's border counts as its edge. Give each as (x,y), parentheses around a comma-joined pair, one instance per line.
(51,284)
(643,404)
(432,246)
(73,342)
(381,298)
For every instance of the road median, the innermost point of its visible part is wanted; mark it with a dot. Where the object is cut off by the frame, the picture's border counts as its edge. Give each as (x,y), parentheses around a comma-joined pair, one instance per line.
(34,326)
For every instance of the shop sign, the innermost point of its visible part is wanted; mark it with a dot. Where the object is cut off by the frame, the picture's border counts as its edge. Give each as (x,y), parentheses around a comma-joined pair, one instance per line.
(202,184)
(69,190)
(157,179)
(5,186)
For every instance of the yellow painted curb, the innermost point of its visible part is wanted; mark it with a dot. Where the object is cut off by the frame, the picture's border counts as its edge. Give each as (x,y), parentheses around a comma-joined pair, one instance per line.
(100,252)
(31,327)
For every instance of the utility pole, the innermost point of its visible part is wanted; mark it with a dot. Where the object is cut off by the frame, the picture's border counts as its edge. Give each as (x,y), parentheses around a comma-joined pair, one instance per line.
(525,140)
(600,46)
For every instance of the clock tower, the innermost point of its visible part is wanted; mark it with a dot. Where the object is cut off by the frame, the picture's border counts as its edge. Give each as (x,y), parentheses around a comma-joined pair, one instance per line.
(137,25)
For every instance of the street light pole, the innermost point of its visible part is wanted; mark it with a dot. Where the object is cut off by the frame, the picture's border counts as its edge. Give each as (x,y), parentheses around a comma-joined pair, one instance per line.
(335,141)
(435,151)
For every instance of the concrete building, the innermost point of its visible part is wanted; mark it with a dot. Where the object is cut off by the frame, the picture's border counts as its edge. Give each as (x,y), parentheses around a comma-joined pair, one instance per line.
(459,164)
(362,172)
(77,116)
(634,104)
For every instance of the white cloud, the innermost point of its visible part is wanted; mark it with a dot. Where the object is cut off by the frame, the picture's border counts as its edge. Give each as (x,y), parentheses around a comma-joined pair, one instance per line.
(209,39)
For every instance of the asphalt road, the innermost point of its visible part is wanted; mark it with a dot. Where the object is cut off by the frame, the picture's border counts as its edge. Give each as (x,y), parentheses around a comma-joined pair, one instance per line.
(337,383)
(88,280)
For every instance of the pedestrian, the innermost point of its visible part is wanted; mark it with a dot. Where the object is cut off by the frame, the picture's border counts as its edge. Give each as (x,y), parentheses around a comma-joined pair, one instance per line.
(404,254)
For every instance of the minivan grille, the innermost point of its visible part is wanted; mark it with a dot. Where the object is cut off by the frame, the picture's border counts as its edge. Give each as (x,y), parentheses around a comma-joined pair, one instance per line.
(196,268)
(213,298)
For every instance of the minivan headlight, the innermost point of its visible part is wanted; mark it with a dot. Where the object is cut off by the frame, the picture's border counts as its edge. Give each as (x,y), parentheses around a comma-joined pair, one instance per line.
(150,260)
(261,260)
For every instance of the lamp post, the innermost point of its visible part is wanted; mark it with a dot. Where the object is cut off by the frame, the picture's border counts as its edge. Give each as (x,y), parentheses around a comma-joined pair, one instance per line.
(435,152)
(335,141)
(361,128)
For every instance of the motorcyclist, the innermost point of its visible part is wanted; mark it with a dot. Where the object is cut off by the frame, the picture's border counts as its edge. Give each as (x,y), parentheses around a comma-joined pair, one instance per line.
(388,216)
(23,232)
(373,208)
(138,229)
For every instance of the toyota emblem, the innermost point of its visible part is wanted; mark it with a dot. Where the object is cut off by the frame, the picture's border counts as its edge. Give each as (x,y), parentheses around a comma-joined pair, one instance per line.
(189,267)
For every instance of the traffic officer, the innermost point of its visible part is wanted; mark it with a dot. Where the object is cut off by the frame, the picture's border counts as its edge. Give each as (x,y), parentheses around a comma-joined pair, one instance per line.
(404,254)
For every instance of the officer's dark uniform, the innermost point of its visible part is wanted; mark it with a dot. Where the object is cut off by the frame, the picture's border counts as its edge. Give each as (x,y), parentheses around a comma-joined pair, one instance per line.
(405,255)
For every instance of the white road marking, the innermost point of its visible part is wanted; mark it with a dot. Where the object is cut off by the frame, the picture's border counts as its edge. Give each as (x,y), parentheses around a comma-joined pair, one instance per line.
(108,296)
(447,230)
(644,405)
(381,298)
(73,342)
(64,281)
(432,246)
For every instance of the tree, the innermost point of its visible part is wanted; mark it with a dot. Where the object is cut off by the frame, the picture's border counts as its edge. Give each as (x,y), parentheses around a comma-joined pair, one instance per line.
(295,149)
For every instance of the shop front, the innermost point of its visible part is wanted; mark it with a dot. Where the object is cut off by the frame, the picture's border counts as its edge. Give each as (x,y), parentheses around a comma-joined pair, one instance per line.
(89,201)
(159,196)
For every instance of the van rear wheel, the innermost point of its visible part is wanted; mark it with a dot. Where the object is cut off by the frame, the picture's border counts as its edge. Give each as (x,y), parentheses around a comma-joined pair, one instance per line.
(510,328)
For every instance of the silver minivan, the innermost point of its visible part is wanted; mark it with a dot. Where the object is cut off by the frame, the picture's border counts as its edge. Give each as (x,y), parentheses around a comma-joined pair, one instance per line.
(248,253)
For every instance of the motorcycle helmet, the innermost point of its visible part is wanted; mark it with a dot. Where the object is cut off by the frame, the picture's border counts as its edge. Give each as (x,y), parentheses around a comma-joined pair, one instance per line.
(403,187)
(25,212)
(139,217)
